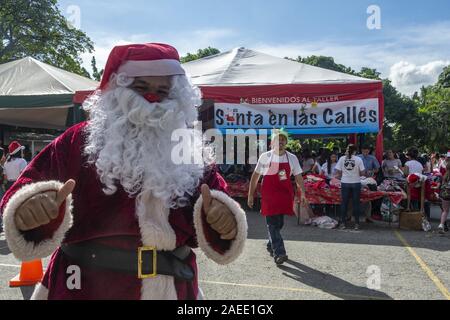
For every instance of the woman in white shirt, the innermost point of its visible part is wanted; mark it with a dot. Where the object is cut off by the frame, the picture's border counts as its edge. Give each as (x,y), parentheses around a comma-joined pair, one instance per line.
(329,167)
(15,164)
(412,166)
(350,168)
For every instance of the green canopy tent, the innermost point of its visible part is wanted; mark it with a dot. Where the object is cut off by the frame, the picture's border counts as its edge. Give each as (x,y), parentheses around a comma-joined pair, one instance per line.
(36,95)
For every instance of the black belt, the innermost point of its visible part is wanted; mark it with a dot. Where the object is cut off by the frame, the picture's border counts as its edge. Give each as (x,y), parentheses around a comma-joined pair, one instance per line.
(146,262)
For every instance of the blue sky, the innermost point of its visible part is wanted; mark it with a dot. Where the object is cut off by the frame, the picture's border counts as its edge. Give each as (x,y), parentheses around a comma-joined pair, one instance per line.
(411,48)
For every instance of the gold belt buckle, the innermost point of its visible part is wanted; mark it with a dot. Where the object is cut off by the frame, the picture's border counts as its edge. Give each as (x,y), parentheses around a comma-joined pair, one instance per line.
(150,275)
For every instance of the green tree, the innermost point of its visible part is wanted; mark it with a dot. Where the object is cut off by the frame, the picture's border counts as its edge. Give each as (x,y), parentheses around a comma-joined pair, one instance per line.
(434,117)
(201,53)
(95,73)
(444,78)
(324,62)
(401,128)
(294,146)
(369,73)
(38,29)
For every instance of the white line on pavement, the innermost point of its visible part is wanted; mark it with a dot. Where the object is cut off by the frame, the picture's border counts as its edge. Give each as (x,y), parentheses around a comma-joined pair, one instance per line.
(9,265)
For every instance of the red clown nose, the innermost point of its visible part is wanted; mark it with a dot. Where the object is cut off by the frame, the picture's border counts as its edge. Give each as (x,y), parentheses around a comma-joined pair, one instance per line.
(152,98)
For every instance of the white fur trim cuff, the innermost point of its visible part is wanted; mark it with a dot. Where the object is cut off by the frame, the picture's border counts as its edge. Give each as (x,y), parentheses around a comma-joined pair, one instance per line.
(237,245)
(40,293)
(162,67)
(25,250)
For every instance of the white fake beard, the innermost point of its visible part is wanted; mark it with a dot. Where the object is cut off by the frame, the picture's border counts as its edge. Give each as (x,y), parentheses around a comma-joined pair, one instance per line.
(130,143)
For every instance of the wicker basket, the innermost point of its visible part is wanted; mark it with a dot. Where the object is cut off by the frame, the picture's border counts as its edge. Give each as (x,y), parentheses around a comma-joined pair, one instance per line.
(411,220)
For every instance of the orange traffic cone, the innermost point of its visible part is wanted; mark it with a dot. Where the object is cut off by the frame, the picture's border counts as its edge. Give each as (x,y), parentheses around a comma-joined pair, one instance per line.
(30,274)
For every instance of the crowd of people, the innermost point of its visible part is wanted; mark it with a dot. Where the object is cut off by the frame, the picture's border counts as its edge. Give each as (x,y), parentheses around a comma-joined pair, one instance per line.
(278,166)
(403,167)
(395,164)
(398,166)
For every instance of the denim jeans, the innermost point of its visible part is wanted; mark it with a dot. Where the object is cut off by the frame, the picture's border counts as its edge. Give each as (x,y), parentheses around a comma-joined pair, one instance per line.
(355,190)
(276,243)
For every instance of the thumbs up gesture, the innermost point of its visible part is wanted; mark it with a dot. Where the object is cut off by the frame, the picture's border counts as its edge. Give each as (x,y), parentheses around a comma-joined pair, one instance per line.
(218,215)
(42,208)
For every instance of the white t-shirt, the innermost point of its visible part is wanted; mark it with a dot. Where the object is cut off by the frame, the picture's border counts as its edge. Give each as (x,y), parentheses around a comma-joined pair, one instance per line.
(350,169)
(319,168)
(262,167)
(331,174)
(414,166)
(14,167)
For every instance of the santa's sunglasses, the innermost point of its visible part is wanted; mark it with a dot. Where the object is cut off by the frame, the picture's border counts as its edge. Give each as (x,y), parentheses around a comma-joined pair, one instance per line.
(149,92)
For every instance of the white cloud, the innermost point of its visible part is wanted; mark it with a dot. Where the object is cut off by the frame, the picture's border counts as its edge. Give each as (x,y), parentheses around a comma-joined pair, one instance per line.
(103,47)
(407,77)
(189,41)
(411,57)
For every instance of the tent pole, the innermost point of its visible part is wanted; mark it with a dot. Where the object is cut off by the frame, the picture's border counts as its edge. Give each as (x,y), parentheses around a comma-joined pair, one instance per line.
(2,136)
(380,137)
(32,149)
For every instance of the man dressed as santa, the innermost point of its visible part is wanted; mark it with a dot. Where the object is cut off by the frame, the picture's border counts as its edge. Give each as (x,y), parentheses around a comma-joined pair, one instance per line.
(108,199)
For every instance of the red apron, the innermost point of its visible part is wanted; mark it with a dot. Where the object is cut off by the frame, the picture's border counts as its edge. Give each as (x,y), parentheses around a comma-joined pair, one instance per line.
(277,193)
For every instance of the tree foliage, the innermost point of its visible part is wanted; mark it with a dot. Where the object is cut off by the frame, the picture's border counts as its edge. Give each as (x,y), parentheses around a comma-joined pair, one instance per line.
(444,78)
(422,120)
(201,53)
(324,62)
(434,116)
(97,75)
(38,29)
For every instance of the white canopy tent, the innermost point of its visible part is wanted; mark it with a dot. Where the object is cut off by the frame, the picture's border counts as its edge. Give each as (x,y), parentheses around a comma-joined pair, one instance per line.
(253,90)
(36,95)
(242,66)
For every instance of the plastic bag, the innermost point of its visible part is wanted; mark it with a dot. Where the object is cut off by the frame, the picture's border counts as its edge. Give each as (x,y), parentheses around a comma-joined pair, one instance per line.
(324,222)
(426,226)
(389,210)
(304,212)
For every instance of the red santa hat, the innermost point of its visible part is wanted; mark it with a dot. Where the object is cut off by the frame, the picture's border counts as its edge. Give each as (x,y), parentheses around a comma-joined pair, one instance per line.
(415,178)
(142,60)
(15,147)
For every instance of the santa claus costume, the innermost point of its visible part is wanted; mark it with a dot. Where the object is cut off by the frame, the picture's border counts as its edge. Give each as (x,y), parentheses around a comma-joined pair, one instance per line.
(131,202)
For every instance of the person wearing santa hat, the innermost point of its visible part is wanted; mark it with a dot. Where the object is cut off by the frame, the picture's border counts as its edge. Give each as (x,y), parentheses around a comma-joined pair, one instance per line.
(15,163)
(110,200)
(415,182)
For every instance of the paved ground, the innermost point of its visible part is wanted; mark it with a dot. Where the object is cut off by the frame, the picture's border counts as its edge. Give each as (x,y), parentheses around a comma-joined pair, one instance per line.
(324,264)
